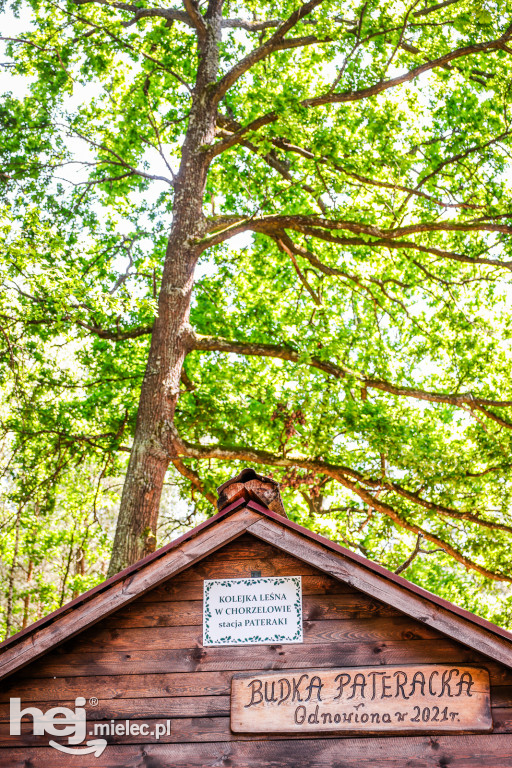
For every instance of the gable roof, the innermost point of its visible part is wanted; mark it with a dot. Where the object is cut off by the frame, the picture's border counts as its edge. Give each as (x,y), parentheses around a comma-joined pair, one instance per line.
(248,516)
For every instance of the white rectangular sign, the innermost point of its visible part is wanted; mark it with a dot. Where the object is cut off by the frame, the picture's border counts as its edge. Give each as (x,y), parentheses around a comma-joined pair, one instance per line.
(252,611)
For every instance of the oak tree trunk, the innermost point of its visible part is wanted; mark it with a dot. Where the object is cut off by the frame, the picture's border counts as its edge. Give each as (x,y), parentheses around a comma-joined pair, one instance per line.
(153,440)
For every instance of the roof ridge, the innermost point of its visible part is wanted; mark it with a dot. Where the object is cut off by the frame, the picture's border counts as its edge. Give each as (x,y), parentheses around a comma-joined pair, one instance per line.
(128,571)
(239,505)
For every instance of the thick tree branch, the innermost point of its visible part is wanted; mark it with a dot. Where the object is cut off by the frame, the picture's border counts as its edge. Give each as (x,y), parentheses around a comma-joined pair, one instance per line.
(382,483)
(302,223)
(337,473)
(117,335)
(173,14)
(437,7)
(275,43)
(131,7)
(251,26)
(373,90)
(383,243)
(192,9)
(283,352)
(196,481)
(224,228)
(170,14)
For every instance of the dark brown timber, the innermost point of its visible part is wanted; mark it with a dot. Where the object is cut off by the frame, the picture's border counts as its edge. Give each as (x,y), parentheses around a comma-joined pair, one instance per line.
(145,662)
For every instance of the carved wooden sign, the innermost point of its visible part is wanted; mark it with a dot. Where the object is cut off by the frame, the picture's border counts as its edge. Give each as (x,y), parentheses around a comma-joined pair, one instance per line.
(399,698)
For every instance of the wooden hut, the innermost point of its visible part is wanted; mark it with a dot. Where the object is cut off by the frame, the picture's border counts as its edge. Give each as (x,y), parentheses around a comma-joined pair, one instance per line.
(251,642)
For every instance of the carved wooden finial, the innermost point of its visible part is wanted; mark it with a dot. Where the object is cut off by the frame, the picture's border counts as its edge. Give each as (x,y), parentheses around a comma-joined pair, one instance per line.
(250,485)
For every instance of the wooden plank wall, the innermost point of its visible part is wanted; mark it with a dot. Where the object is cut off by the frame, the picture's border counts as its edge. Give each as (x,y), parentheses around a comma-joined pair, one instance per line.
(147,663)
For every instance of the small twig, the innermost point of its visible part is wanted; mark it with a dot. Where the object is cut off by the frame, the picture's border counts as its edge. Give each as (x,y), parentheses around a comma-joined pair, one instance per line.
(314,295)
(414,554)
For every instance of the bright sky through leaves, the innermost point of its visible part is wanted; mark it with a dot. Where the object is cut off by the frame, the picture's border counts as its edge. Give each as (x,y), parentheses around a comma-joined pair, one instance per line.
(350,317)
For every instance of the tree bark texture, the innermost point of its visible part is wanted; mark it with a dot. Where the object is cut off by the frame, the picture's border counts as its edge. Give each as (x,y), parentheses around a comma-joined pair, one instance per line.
(153,445)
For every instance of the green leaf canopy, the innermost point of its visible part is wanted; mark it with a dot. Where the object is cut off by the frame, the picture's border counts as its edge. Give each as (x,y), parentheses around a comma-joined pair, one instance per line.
(351,313)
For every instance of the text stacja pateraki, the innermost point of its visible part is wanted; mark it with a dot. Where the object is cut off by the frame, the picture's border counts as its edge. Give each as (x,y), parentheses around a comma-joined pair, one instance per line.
(252,611)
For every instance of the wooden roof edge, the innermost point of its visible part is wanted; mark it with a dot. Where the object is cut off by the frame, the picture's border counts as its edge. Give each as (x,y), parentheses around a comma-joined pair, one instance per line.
(381,571)
(128,571)
(239,504)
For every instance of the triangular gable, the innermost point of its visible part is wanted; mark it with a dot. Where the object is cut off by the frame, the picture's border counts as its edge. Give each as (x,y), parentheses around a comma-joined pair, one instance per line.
(339,562)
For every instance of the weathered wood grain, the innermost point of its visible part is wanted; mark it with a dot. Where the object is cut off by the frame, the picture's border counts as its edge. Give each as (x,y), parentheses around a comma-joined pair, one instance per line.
(143,708)
(468,751)
(254,657)
(28,739)
(200,729)
(432,698)
(122,686)
(71,664)
(274,564)
(382,629)
(369,582)
(63,662)
(146,662)
(189,585)
(501,696)
(190,612)
(125,591)
(146,687)
(502,720)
